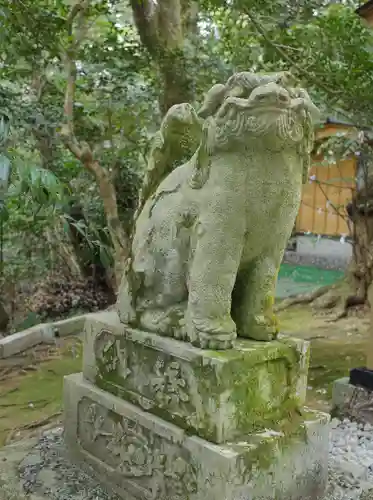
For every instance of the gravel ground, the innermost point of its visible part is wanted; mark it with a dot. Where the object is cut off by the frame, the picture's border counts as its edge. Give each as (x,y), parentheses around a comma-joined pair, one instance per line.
(350,461)
(66,482)
(46,473)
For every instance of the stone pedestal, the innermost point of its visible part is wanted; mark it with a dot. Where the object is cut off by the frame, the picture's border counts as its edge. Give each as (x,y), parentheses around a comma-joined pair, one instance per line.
(159,419)
(217,395)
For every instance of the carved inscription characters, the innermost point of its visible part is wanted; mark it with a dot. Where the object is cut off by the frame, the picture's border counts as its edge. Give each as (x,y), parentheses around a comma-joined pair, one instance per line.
(107,349)
(160,381)
(154,464)
(168,385)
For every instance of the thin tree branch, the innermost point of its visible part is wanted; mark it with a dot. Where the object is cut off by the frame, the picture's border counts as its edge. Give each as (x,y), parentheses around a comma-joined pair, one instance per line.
(261,30)
(78,12)
(78,9)
(302,71)
(68,109)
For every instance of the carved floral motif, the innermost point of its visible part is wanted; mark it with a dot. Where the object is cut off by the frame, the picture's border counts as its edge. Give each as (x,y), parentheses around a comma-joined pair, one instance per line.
(154,464)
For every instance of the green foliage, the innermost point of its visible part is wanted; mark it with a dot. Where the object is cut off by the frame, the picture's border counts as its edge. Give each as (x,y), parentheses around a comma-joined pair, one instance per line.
(117,92)
(325,44)
(114,104)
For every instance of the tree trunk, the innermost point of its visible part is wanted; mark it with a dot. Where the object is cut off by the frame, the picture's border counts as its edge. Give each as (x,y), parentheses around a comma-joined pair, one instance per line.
(177,84)
(46,145)
(361,267)
(162,27)
(360,212)
(117,234)
(81,150)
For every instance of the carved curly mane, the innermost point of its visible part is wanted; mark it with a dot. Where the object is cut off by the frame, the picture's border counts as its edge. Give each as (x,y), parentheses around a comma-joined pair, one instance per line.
(286,126)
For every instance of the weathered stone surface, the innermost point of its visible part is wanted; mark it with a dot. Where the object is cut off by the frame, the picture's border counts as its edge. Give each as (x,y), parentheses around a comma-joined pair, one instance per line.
(20,341)
(143,457)
(199,415)
(216,395)
(210,238)
(352,402)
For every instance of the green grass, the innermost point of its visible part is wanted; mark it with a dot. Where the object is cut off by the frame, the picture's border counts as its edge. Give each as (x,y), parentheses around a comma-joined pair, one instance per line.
(331,360)
(32,397)
(295,319)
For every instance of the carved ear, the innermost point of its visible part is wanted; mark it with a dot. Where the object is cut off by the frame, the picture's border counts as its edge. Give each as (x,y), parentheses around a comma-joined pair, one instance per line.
(310,106)
(236,91)
(213,99)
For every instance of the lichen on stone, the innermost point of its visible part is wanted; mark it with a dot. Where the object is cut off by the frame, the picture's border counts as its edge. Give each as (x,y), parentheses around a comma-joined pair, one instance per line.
(210,235)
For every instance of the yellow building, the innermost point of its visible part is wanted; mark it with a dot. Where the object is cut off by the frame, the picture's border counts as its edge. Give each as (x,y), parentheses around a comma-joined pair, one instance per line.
(334,184)
(330,188)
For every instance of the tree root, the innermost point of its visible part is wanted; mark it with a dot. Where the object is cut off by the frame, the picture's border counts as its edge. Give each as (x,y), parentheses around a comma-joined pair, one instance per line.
(351,301)
(304,298)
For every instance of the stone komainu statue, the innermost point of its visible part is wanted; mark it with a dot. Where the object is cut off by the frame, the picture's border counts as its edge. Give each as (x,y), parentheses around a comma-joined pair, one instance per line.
(209,239)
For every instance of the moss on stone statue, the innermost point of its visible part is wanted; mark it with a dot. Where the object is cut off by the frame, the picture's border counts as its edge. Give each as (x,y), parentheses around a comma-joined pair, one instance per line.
(263,449)
(263,392)
(214,394)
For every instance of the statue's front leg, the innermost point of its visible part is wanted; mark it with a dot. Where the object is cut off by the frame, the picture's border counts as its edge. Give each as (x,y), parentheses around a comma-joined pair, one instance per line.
(253,299)
(212,276)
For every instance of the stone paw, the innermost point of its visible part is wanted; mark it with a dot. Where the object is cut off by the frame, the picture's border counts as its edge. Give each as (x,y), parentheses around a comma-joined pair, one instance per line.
(213,334)
(214,326)
(262,329)
(127,316)
(214,342)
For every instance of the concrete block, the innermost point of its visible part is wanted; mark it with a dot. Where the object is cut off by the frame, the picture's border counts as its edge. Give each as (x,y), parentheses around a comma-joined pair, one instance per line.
(70,326)
(45,333)
(18,342)
(351,401)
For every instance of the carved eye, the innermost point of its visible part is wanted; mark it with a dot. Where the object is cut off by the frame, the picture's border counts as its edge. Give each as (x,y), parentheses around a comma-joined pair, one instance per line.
(283,97)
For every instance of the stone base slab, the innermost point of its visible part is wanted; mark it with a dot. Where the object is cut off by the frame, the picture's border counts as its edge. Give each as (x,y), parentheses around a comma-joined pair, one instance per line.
(352,401)
(217,395)
(142,457)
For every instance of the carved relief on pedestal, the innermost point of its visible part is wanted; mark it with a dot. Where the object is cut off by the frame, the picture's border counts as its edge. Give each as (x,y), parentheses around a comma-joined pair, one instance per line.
(160,469)
(148,378)
(168,384)
(111,360)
